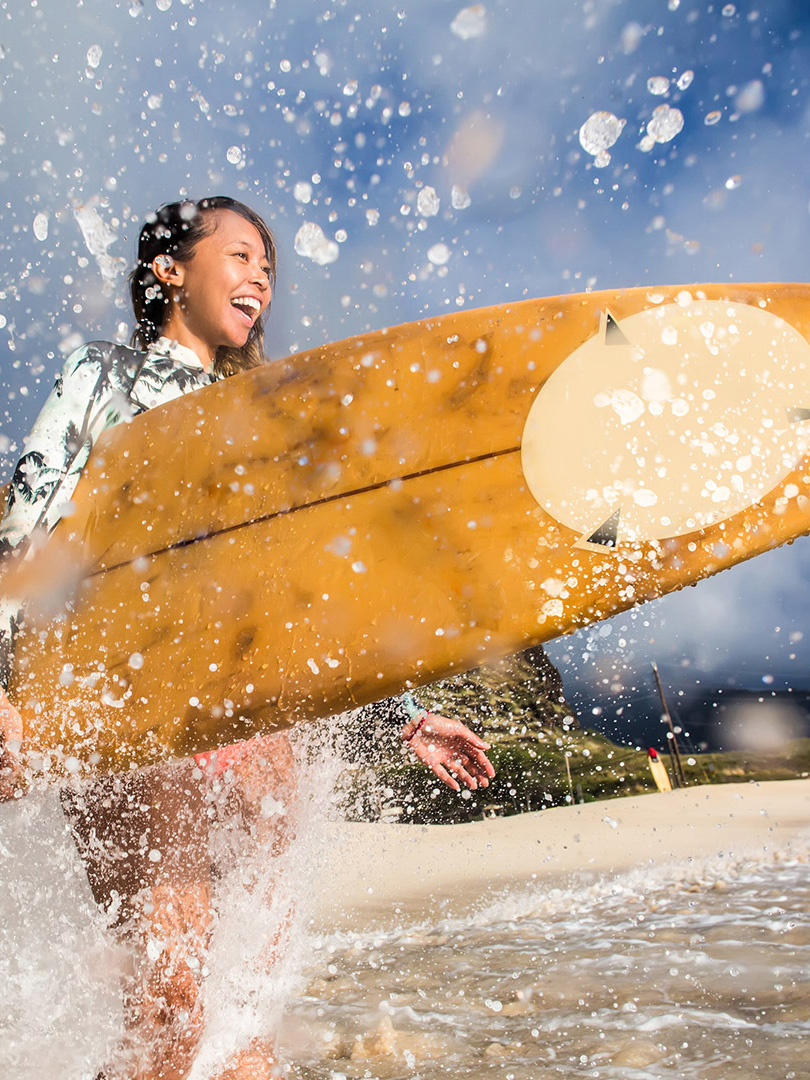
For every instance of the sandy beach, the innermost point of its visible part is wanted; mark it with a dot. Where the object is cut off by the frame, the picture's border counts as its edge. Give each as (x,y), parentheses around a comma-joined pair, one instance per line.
(379,875)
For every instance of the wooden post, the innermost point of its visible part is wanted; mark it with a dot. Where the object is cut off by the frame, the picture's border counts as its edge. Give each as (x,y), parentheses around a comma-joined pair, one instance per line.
(568,771)
(677,766)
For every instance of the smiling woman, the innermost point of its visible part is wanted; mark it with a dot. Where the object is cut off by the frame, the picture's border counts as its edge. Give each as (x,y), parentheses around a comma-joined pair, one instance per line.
(204,278)
(202,284)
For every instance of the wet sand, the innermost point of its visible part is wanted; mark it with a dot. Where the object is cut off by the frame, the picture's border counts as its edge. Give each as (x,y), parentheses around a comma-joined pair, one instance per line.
(379,876)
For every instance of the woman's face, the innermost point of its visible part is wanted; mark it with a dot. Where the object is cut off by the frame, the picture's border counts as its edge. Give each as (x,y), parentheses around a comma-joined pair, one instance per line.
(220,292)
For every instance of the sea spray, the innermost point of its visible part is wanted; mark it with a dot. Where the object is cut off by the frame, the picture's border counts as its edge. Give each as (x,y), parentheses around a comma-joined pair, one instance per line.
(263,901)
(59,971)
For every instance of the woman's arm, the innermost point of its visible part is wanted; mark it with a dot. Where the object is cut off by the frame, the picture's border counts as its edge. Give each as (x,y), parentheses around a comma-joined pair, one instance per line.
(57,449)
(44,480)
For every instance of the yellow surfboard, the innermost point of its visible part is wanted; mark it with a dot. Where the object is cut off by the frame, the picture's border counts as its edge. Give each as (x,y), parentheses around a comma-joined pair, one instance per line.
(659,771)
(324,531)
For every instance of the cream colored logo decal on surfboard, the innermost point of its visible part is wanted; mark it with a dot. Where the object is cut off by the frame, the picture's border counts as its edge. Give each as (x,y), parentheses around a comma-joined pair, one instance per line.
(669,421)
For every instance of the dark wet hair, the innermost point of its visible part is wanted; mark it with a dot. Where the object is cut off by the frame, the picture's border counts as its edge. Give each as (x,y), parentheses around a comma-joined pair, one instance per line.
(176,229)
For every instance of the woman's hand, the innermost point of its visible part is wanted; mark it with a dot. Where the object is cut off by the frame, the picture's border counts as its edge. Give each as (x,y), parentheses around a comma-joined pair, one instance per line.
(448,746)
(11,733)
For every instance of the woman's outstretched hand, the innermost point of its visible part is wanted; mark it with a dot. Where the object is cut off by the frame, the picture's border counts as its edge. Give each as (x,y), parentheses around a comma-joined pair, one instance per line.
(451,751)
(11,732)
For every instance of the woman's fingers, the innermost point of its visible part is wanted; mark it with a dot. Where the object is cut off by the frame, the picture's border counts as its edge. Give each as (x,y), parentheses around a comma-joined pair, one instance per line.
(483,763)
(442,773)
(478,743)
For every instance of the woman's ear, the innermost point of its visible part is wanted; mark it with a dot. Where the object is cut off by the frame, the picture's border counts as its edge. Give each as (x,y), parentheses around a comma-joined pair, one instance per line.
(167,271)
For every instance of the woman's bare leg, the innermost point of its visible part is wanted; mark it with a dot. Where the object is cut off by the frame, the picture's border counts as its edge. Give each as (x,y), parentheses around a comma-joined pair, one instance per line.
(162,905)
(144,840)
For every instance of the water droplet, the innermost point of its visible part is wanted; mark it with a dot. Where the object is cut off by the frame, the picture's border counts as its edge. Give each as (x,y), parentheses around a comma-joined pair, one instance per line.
(350,88)
(733,182)
(751,97)
(470,22)
(135,8)
(631,37)
(154,101)
(665,124)
(41,226)
(404,108)
(658,85)
(599,132)
(685,80)
(712,118)
(439,254)
(312,243)
(302,192)
(729,10)
(163,5)
(459,197)
(136,661)
(94,54)
(428,202)
(234,155)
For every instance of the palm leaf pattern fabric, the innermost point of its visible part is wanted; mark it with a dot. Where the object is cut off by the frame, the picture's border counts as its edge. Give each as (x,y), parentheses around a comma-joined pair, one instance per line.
(100,385)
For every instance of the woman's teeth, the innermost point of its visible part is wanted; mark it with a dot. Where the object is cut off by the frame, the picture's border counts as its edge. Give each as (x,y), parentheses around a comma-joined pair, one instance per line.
(248,302)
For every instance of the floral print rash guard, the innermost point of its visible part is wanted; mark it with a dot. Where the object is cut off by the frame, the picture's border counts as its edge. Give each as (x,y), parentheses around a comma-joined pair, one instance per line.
(100,385)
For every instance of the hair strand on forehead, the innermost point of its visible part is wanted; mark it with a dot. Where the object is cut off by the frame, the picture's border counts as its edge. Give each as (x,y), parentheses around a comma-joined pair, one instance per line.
(175,230)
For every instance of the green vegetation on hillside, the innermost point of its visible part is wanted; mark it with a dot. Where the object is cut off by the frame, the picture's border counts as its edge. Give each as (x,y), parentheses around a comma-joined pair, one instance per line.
(531,775)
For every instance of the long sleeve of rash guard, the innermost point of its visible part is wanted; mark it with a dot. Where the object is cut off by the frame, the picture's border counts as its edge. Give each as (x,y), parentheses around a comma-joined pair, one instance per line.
(82,403)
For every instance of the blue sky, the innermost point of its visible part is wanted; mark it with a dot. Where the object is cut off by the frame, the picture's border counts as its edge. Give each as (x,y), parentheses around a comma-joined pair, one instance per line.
(339,114)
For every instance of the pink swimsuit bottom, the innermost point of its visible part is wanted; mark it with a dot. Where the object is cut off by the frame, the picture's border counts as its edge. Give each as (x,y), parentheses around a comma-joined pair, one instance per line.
(214,762)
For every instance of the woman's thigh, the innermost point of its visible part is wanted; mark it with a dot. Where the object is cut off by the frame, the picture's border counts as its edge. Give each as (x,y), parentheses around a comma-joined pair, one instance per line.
(138,831)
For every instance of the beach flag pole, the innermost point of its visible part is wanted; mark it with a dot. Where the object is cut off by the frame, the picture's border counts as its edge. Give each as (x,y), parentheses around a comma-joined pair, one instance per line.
(677,766)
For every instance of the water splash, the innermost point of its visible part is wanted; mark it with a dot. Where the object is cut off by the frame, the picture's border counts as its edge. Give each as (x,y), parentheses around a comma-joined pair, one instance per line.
(439,254)
(41,227)
(428,202)
(658,85)
(99,237)
(261,942)
(666,123)
(312,243)
(599,132)
(470,22)
(751,97)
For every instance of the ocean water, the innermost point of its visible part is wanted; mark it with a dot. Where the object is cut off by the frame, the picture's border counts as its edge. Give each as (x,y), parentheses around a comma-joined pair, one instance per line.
(700,973)
(698,970)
